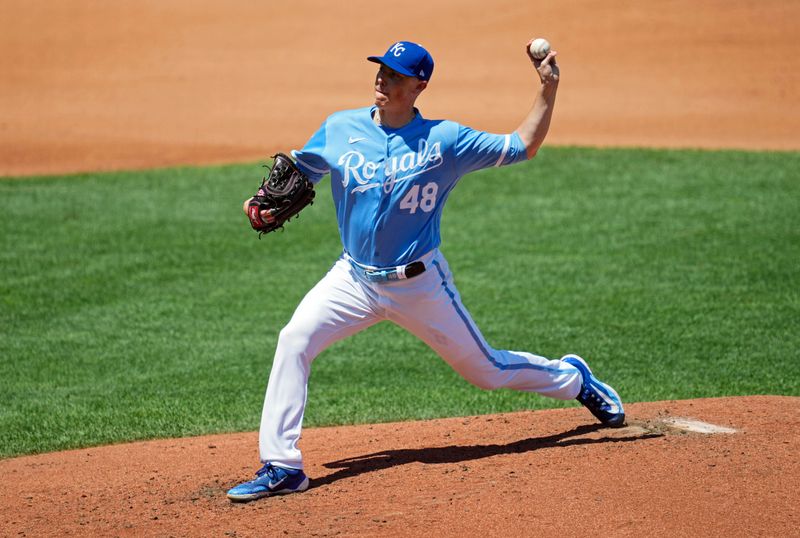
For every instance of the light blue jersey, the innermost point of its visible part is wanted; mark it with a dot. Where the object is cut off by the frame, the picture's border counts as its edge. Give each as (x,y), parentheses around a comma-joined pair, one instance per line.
(390,185)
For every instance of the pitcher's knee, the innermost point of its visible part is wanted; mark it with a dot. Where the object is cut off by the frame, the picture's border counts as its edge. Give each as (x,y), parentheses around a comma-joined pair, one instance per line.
(293,341)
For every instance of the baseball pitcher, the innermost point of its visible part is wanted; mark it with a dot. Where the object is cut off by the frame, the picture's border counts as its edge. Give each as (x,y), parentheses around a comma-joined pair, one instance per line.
(391,172)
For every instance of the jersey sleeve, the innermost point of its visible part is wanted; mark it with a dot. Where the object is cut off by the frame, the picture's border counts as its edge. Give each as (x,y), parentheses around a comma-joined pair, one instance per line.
(476,150)
(311,159)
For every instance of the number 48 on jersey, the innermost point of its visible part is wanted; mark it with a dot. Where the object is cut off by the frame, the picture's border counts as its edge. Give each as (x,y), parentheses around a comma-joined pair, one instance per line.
(424,199)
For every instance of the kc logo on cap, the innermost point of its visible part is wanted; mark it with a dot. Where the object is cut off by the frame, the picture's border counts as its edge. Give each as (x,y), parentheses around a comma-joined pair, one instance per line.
(397,49)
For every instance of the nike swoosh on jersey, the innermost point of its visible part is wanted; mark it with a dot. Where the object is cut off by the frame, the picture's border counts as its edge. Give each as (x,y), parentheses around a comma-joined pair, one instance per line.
(354,139)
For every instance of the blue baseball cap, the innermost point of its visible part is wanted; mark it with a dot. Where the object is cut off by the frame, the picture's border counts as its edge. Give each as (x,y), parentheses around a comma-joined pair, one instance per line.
(407,58)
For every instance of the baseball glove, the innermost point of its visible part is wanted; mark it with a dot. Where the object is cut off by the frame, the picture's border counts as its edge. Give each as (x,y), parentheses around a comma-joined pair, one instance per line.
(283,193)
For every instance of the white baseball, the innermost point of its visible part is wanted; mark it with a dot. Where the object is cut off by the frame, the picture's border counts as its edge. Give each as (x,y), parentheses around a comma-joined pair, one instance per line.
(539,48)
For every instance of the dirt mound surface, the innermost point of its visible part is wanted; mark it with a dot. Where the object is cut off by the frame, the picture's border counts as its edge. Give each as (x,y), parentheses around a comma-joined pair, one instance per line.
(549,473)
(130,84)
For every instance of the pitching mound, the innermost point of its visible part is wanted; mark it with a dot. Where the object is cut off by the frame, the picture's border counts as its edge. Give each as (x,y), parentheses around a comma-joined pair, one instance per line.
(710,467)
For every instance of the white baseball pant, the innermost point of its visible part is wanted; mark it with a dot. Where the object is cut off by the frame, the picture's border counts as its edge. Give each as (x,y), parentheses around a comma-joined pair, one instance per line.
(344,302)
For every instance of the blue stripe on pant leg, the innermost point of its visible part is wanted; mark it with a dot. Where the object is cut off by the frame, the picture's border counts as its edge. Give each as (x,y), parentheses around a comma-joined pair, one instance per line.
(486,353)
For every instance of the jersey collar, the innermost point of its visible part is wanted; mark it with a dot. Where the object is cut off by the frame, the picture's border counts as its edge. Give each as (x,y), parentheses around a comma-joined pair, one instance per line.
(416,119)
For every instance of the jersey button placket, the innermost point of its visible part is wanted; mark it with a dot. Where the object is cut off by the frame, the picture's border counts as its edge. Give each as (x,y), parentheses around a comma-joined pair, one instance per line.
(380,208)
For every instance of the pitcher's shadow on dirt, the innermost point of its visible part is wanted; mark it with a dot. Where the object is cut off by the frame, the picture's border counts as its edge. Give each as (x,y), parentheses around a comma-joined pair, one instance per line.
(377,461)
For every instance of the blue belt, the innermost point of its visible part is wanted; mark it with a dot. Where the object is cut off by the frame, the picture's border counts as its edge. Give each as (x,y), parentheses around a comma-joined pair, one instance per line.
(400,272)
(388,274)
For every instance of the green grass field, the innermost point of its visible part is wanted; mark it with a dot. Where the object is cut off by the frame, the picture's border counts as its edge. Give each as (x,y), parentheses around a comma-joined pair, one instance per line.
(140,304)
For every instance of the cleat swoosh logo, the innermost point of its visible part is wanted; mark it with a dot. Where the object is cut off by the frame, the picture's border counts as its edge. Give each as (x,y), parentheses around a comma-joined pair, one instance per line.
(354,139)
(273,485)
(612,404)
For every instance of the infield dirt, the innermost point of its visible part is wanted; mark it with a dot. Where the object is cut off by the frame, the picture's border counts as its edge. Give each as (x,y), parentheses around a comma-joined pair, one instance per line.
(118,85)
(542,473)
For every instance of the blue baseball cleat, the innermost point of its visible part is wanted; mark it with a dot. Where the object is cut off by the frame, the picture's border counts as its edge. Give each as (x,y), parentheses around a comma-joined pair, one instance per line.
(596,396)
(270,480)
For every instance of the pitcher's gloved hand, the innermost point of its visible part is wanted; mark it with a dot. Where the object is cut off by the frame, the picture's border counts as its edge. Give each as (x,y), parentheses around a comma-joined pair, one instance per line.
(282,195)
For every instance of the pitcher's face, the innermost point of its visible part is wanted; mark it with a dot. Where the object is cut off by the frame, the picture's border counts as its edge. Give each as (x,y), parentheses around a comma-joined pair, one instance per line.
(396,91)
